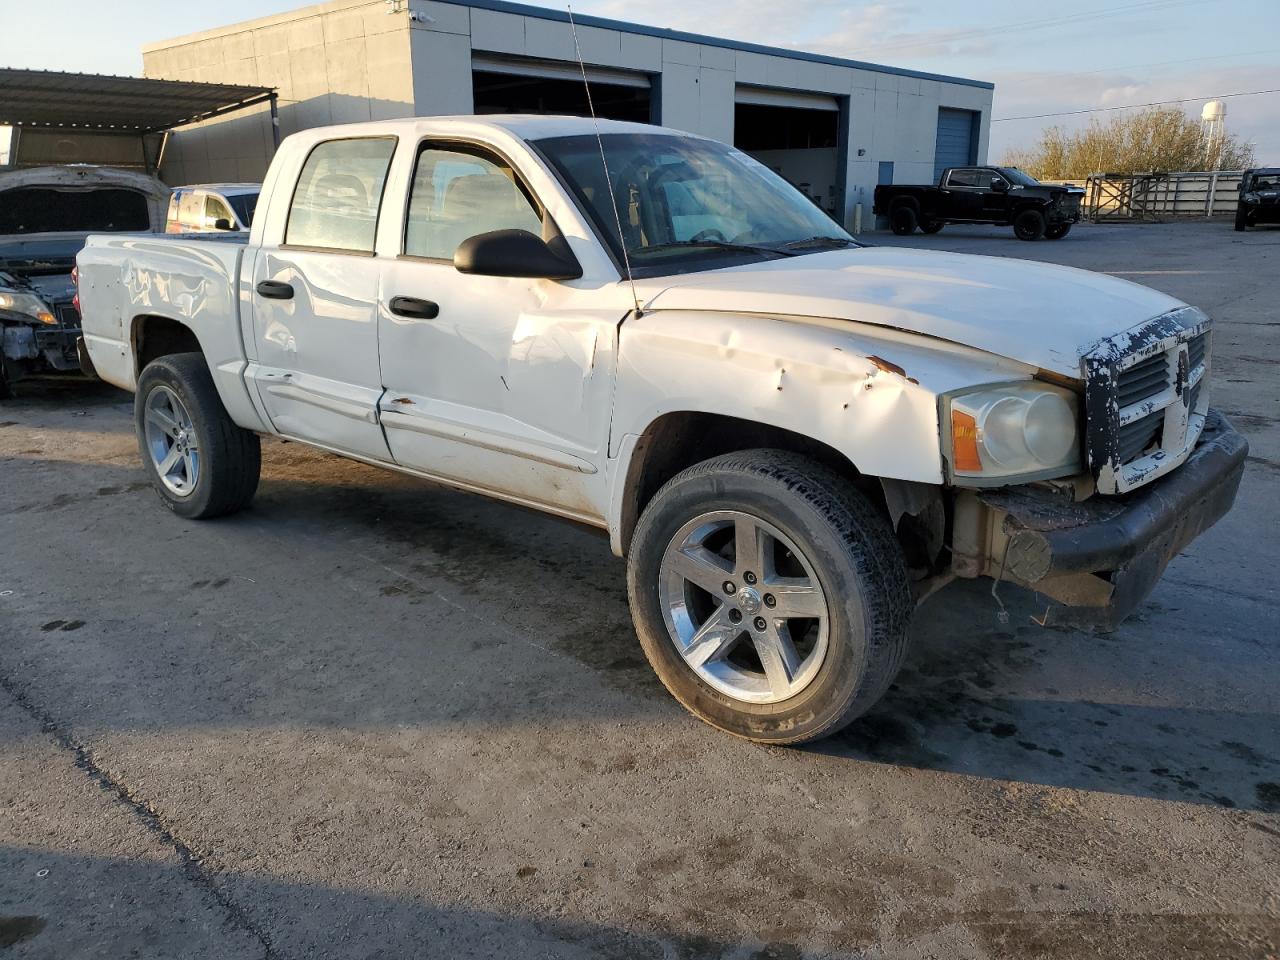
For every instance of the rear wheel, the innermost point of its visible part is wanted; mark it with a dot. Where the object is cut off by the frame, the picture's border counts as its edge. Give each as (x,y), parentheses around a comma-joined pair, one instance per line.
(770,597)
(932,226)
(1056,231)
(903,220)
(1029,225)
(201,464)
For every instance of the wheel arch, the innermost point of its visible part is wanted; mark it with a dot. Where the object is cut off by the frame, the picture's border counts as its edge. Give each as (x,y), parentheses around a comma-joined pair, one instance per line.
(153,335)
(677,440)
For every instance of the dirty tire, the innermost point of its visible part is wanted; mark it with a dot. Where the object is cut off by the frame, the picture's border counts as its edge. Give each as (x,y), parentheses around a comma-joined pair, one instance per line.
(858,564)
(231,458)
(1029,225)
(932,226)
(1242,220)
(903,220)
(1056,231)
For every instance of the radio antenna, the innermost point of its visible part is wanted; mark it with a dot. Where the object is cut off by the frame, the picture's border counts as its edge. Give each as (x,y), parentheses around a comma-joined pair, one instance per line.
(604,162)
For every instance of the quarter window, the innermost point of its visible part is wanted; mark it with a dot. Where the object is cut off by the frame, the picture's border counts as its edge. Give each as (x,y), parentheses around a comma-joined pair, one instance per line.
(457,195)
(335,205)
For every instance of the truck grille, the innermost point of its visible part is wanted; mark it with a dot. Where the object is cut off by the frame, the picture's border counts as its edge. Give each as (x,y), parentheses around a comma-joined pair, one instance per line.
(1146,399)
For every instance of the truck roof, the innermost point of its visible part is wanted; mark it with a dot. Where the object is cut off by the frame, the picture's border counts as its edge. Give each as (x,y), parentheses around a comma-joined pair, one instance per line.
(523,126)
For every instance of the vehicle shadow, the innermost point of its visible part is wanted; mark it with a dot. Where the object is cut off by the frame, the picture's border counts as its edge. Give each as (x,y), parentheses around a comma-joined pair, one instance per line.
(158,908)
(336,597)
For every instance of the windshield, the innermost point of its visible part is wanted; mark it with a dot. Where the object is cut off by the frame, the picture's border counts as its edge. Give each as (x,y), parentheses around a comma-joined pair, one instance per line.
(1265,180)
(244,204)
(46,210)
(683,200)
(1014,175)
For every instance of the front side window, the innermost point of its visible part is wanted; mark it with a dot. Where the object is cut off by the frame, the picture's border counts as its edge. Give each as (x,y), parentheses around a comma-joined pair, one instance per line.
(457,195)
(215,210)
(335,205)
(682,201)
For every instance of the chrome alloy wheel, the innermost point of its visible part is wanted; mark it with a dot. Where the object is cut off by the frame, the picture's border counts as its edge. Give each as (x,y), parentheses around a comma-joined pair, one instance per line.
(171,440)
(744,607)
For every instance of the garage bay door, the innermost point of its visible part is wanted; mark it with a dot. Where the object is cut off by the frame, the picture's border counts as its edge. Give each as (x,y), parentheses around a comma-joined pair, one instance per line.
(957,144)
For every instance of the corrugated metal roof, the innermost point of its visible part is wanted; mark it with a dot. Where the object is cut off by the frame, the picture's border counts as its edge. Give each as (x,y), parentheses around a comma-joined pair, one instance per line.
(47,98)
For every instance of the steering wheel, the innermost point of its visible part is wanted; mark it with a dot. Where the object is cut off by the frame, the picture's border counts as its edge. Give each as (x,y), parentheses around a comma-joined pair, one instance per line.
(711,233)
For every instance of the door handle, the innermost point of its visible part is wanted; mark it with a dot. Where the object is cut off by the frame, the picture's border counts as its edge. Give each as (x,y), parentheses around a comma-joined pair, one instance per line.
(415,308)
(275,290)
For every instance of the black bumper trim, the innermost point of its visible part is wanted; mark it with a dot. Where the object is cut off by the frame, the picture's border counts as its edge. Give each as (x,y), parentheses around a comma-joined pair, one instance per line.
(1131,538)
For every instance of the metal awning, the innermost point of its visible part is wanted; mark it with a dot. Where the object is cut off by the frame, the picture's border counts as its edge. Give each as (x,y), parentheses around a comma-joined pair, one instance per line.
(90,101)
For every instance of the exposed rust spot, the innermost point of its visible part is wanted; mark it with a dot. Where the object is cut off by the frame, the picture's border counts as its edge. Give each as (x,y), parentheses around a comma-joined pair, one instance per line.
(403,400)
(886,366)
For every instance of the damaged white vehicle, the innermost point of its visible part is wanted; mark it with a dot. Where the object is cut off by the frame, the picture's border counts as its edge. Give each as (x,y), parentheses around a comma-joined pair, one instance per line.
(790,436)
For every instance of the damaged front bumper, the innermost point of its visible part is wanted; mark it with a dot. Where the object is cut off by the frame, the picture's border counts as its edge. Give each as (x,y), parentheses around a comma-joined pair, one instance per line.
(1107,553)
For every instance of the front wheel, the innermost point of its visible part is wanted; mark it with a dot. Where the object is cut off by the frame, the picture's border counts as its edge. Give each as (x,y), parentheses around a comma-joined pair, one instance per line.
(1056,231)
(201,464)
(770,596)
(1242,220)
(1029,225)
(932,226)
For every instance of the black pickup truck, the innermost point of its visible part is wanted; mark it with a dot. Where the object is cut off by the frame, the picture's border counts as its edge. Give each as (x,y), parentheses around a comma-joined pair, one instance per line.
(1000,195)
(1259,198)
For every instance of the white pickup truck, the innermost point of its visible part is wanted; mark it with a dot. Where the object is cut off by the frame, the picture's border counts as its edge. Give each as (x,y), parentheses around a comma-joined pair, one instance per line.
(792,437)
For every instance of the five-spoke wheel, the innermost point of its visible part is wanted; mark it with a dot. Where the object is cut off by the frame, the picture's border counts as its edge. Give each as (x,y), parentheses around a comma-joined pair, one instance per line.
(744,606)
(172,441)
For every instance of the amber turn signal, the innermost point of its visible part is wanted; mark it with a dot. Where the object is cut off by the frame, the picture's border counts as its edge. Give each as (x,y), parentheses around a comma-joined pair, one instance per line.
(964,443)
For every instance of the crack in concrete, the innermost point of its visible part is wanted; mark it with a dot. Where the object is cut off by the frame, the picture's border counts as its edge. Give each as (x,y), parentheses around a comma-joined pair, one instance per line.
(192,863)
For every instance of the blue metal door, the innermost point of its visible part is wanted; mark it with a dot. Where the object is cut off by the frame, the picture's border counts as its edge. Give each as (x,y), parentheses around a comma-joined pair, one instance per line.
(957,143)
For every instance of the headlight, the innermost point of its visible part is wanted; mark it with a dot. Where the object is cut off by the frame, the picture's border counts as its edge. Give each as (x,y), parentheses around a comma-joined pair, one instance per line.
(1004,433)
(26,303)
(1251,198)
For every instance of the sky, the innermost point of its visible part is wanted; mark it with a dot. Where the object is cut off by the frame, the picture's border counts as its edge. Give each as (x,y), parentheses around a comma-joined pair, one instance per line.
(1043,57)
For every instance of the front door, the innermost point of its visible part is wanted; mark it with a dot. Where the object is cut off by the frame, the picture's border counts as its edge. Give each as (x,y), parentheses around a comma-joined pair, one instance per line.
(491,382)
(315,300)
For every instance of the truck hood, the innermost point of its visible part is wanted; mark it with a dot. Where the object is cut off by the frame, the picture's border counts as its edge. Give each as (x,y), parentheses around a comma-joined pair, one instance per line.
(1039,314)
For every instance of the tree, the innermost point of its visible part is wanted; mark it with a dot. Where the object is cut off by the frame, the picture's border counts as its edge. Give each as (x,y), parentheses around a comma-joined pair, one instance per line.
(1163,139)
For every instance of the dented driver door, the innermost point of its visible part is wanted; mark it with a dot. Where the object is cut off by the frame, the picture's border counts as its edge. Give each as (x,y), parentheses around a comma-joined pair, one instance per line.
(494,383)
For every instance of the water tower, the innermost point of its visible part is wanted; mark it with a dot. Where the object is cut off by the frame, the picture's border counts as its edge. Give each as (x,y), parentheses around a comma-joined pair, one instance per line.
(1213,119)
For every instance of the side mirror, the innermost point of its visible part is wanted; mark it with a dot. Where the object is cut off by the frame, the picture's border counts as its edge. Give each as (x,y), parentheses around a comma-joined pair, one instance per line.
(516,253)
(999,186)
(222,223)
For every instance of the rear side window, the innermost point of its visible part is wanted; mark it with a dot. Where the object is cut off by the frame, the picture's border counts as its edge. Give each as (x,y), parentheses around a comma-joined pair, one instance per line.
(335,205)
(964,178)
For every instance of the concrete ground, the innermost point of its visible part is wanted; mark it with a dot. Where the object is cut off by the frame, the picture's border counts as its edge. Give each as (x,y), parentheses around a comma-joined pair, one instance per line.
(372,718)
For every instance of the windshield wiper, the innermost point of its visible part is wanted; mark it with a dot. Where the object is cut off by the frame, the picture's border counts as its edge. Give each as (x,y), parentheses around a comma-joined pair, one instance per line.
(822,241)
(714,245)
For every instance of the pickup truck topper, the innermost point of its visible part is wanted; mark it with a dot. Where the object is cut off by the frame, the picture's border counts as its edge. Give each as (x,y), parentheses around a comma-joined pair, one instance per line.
(791,437)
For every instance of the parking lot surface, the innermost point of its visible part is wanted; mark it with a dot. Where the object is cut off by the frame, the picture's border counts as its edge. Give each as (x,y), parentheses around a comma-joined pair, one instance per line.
(371,717)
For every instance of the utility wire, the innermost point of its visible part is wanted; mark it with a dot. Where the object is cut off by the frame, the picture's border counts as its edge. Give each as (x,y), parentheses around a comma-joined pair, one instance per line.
(1135,106)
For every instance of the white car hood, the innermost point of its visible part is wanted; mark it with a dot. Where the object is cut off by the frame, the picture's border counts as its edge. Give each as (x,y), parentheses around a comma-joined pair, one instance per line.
(1039,314)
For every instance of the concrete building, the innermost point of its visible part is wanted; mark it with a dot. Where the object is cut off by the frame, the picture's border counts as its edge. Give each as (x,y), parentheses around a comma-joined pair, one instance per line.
(833,127)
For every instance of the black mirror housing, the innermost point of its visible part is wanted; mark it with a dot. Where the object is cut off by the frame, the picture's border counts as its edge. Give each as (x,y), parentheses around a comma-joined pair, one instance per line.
(999,186)
(516,253)
(222,223)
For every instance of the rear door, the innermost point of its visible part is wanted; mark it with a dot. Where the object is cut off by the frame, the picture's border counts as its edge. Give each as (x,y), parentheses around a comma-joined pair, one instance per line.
(315,301)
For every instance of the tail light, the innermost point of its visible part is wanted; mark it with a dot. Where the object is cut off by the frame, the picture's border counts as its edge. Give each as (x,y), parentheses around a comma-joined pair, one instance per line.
(75,282)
